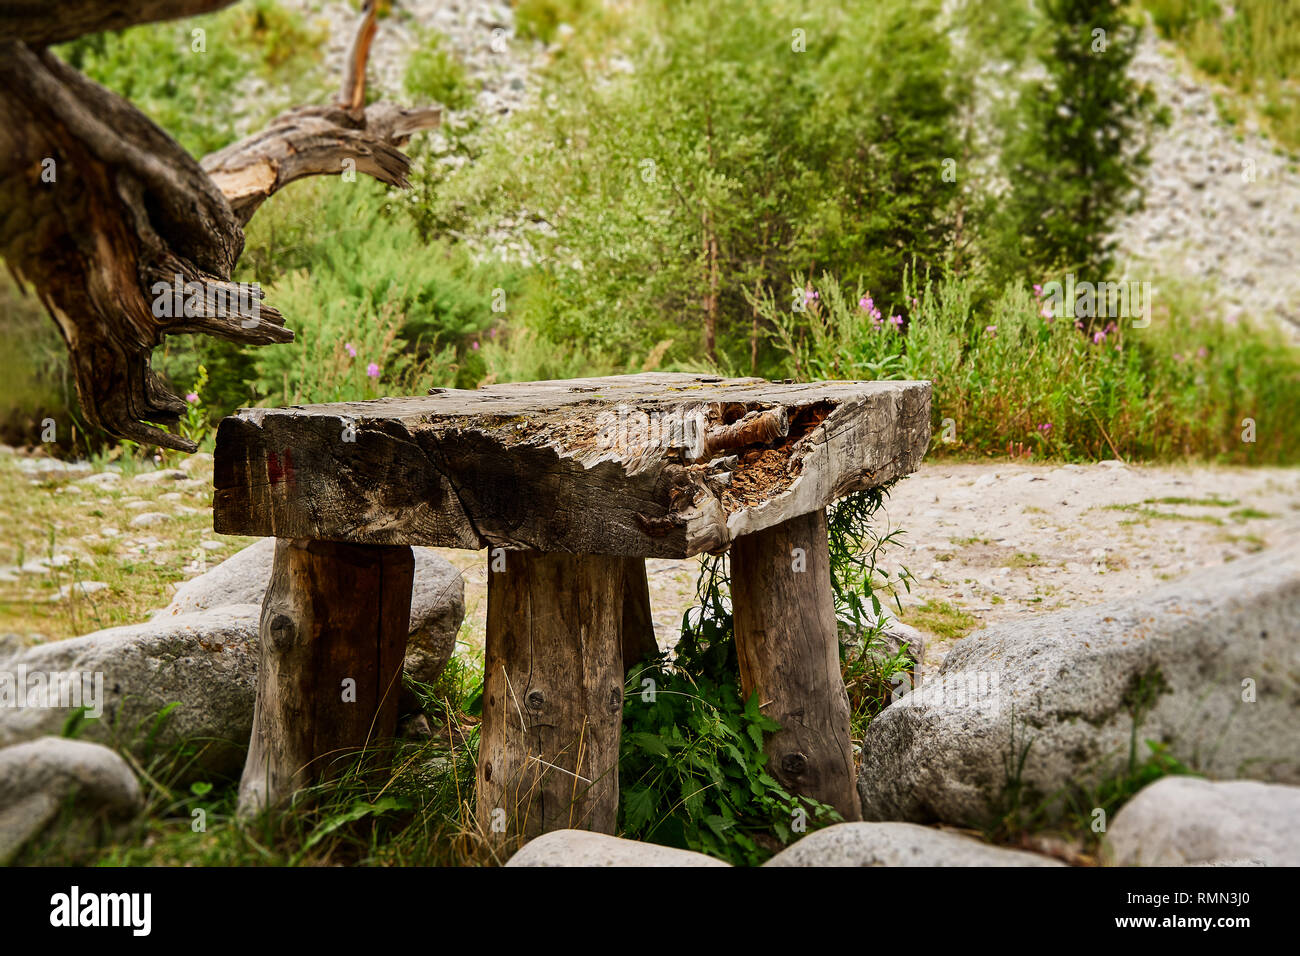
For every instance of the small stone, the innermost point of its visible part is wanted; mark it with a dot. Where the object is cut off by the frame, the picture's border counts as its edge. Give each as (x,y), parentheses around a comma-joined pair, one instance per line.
(80,588)
(194,461)
(148,519)
(39,777)
(899,844)
(584,848)
(1181,821)
(156,477)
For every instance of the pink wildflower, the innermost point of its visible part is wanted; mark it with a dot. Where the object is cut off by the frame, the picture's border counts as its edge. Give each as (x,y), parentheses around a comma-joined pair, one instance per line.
(350,350)
(372,370)
(192,397)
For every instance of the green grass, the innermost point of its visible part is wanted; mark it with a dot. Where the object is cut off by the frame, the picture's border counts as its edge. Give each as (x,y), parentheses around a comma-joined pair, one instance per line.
(419,813)
(1253,543)
(1255,52)
(1212,502)
(1249,514)
(1145,514)
(942,619)
(1008,378)
(56,515)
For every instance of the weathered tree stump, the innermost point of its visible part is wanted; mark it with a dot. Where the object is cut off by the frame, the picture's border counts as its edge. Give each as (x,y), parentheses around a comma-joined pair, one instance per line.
(788,645)
(552,695)
(332,639)
(126,237)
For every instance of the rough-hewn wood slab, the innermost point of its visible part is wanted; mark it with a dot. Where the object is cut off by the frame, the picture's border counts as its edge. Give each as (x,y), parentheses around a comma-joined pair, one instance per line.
(649,465)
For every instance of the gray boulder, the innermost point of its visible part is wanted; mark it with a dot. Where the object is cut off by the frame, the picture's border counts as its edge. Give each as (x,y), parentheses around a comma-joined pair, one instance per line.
(1209,665)
(437,600)
(1182,821)
(207,662)
(584,848)
(437,610)
(899,844)
(240,579)
(37,778)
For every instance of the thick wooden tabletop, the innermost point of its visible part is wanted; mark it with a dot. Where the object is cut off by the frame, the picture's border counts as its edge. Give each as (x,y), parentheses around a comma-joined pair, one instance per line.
(654,465)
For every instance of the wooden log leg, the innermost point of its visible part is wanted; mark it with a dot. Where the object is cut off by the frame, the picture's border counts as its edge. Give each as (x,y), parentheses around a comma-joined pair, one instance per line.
(638,626)
(333,636)
(788,648)
(552,695)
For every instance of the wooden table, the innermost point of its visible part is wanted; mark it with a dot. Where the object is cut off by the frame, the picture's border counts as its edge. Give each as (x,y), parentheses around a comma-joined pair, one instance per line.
(570,485)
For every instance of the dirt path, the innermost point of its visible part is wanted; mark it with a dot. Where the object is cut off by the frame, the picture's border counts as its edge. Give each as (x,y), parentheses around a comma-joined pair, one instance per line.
(988,542)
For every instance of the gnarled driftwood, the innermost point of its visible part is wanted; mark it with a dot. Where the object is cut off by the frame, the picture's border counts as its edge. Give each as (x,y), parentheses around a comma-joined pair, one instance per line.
(125,237)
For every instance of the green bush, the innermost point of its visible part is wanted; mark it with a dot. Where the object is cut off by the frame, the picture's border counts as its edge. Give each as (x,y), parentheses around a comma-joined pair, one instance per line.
(1017,379)
(541,19)
(712,147)
(1076,141)
(692,768)
(200,96)
(1252,46)
(433,74)
(350,277)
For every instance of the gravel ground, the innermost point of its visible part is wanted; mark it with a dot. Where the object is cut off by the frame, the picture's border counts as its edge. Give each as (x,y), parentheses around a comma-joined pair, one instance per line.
(1001,540)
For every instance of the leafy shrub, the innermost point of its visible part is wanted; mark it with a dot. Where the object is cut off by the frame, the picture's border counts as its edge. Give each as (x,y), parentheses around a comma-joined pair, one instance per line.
(433,74)
(692,767)
(1034,383)
(1253,46)
(201,97)
(359,287)
(541,19)
(1076,142)
(659,192)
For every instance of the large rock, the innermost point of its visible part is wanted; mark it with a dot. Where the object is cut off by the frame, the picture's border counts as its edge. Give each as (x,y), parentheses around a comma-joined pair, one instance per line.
(899,844)
(207,662)
(240,579)
(1183,660)
(1186,820)
(37,778)
(584,848)
(437,600)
